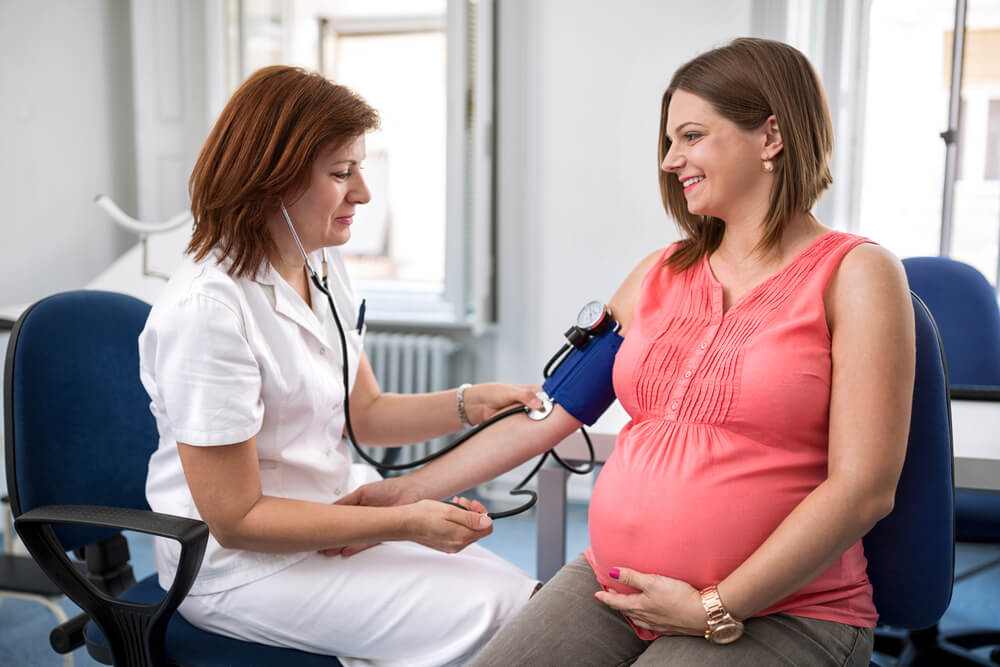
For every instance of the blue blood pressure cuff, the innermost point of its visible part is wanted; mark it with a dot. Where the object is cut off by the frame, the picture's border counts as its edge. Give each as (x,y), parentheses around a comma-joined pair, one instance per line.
(582,382)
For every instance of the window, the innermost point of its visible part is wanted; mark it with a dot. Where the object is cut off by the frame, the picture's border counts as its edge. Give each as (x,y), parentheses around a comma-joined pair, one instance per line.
(421,251)
(262,32)
(976,214)
(899,158)
(992,169)
(401,69)
(902,158)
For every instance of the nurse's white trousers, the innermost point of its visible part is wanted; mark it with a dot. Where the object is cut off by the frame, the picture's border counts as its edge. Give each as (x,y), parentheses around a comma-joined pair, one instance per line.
(395,604)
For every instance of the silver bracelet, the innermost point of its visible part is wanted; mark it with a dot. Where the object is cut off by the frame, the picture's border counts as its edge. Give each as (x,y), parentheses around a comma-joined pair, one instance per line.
(460,403)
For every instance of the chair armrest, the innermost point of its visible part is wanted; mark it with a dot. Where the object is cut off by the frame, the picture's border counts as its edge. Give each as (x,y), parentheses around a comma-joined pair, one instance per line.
(131,628)
(971,392)
(184,530)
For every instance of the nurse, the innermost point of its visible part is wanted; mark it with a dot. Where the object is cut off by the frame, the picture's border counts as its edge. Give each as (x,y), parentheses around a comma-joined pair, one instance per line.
(241,359)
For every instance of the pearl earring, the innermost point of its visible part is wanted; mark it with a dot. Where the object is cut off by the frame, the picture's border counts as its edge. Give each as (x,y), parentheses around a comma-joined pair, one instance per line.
(768,166)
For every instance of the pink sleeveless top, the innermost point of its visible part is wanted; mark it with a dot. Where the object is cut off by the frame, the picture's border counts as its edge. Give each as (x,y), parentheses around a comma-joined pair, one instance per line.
(728,432)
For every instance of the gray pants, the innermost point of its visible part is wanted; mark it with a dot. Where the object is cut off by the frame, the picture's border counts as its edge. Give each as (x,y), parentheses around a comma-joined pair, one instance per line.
(564,625)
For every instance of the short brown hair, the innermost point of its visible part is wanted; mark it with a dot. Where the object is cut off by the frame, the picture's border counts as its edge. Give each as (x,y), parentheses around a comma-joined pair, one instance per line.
(261,149)
(747,81)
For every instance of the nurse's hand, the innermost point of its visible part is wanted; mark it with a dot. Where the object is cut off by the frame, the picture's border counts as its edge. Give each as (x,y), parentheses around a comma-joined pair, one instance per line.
(664,605)
(445,527)
(387,493)
(383,493)
(482,401)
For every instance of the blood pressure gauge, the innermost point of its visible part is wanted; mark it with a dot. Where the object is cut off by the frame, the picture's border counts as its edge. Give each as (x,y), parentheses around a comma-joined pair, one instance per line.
(594,318)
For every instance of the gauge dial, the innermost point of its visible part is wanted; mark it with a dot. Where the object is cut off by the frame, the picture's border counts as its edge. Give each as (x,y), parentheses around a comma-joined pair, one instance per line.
(590,315)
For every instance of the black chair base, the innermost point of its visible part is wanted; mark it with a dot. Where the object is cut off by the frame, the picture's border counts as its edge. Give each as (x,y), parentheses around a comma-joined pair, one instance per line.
(931,648)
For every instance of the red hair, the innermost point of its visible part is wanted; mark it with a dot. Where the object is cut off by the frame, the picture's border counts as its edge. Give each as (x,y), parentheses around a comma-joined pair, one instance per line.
(261,150)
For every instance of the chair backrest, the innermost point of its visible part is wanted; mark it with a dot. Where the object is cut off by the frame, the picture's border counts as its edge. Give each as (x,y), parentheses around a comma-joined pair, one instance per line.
(77,419)
(965,308)
(964,305)
(911,552)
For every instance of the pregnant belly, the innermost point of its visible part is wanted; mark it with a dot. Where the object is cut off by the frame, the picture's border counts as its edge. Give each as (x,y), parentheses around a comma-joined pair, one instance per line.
(693,518)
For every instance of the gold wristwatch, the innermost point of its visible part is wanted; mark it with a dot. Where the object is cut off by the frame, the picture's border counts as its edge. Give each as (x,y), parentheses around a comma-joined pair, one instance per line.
(723,627)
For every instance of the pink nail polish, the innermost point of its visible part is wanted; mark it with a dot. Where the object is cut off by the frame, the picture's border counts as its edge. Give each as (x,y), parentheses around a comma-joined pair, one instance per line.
(614,573)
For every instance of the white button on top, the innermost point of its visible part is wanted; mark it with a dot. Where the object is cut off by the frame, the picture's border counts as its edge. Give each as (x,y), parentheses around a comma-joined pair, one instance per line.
(673,406)
(703,346)
(688,374)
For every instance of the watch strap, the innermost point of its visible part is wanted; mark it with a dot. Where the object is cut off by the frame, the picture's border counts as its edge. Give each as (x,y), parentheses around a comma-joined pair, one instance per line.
(714,609)
(715,612)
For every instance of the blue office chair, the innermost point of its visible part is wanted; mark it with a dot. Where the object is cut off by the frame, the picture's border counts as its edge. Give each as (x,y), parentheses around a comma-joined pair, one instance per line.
(965,309)
(911,552)
(20,576)
(79,434)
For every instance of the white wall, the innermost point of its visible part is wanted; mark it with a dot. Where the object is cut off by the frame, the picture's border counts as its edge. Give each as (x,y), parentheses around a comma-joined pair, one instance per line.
(579,89)
(178,65)
(65,135)
(579,94)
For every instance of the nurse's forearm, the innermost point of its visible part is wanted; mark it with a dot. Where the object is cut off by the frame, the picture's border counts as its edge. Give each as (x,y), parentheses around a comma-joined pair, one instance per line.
(225,484)
(283,525)
(492,452)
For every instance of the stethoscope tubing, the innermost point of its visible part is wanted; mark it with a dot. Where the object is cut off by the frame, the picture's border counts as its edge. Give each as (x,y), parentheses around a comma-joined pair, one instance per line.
(438,454)
(323,286)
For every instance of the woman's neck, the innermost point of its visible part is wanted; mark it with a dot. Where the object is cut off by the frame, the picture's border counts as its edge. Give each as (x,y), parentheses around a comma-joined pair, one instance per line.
(740,244)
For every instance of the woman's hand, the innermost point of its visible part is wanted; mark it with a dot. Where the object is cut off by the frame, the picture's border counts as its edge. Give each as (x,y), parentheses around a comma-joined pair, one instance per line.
(482,401)
(664,605)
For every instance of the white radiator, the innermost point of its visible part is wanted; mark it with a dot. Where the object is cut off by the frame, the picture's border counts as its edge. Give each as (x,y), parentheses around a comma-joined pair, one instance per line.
(410,364)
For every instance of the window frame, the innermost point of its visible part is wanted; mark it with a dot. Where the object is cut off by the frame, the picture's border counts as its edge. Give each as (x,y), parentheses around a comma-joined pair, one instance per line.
(846,56)
(467,298)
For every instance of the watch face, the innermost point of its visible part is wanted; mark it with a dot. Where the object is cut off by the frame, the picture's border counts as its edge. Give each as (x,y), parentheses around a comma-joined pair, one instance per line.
(590,315)
(726,633)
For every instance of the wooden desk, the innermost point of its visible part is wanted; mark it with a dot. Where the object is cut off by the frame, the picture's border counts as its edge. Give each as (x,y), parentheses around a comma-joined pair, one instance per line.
(975,425)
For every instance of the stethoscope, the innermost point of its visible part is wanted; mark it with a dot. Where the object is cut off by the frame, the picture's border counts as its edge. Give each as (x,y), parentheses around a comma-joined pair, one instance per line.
(322,285)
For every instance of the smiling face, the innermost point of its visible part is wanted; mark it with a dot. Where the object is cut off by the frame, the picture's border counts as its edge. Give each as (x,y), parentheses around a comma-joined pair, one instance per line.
(324,213)
(717,162)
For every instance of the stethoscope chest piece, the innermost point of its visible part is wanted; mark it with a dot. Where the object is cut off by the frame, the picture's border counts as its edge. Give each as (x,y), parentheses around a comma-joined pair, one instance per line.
(546,409)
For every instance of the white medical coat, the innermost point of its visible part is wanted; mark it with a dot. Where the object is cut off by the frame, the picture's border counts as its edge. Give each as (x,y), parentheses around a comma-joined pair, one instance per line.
(224,359)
